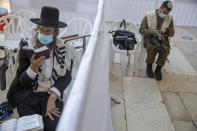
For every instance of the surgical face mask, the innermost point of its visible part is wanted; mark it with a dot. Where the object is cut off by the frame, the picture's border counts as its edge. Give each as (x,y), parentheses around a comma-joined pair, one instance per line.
(162,15)
(45,39)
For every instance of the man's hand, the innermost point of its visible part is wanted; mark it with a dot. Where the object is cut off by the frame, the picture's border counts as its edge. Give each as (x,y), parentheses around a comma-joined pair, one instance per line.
(171,32)
(158,33)
(36,63)
(51,109)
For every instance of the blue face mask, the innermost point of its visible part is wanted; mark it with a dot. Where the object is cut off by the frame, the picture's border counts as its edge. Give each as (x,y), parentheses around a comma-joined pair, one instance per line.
(162,15)
(45,39)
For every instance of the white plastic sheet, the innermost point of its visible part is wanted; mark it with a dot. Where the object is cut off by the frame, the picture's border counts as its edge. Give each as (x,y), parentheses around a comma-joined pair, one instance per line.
(68,8)
(88,105)
(184,11)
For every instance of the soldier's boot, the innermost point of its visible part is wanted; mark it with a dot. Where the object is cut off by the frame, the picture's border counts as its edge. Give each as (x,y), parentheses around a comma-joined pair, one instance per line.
(157,73)
(149,71)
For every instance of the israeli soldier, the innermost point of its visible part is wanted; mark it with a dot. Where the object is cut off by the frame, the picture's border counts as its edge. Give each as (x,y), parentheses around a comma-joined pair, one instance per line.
(152,24)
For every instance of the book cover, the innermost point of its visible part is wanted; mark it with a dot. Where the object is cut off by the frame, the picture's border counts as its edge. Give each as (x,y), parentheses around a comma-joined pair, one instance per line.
(42,51)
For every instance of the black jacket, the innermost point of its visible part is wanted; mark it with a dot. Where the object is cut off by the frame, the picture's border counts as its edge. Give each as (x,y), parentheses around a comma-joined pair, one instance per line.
(22,85)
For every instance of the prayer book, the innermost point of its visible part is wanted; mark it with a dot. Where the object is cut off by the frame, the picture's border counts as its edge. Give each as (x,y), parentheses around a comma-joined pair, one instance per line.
(25,123)
(42,51)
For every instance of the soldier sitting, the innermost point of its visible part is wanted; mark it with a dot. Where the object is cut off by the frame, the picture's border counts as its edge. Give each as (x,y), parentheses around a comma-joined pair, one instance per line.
(153,24)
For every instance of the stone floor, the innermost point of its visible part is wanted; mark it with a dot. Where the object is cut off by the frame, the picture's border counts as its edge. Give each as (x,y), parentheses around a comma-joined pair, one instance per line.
(140,107)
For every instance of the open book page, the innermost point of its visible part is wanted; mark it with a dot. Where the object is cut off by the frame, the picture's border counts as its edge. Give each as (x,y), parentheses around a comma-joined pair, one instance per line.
(30,123)
(27,48)
(35,50)
(9,125)
(41,49)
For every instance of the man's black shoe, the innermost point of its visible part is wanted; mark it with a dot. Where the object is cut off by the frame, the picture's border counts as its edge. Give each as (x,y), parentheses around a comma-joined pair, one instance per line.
(149,71)
(157,73)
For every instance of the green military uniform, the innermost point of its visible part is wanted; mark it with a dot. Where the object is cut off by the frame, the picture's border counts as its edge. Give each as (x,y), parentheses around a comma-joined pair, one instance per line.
(147,34)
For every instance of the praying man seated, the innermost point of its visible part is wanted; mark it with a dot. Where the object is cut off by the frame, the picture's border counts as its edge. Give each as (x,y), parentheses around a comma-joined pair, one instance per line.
(39,83)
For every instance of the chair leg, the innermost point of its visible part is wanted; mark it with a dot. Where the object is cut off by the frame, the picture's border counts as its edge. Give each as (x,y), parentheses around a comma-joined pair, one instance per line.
(84,45)
(141,57)
(135,62)
(113,55)
(116,58)
(129,58)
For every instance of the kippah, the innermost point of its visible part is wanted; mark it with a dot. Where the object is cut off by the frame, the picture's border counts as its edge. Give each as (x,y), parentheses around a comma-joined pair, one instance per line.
(167,4)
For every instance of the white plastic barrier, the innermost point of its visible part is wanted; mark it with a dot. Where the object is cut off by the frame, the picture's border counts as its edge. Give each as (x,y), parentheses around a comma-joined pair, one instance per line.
(134,10)
(88,105)
(184,11)
(69,9)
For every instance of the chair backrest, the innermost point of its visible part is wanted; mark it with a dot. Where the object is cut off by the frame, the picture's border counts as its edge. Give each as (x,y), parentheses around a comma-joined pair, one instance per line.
(78,26)
(24,14)
(12,30)
(27,27)
(129,26)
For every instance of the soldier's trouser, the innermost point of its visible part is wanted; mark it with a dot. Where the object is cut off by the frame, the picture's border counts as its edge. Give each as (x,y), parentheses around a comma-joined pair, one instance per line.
(152,52)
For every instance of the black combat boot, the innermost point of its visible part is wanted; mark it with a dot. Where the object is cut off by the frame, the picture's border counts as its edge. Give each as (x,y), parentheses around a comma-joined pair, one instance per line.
(157,73)
(149,71)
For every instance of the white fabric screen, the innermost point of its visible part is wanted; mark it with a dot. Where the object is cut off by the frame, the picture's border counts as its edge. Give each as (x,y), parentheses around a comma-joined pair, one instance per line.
(88,105)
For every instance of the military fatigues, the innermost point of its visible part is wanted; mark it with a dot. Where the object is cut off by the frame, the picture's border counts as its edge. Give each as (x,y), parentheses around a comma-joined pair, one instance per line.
(147,34)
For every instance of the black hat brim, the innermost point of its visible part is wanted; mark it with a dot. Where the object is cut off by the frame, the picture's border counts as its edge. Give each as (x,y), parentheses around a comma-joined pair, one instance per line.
(38,22)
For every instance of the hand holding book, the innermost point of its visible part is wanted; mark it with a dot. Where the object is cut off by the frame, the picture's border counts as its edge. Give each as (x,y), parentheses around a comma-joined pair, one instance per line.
(36,56)
(42,51)
(36,63)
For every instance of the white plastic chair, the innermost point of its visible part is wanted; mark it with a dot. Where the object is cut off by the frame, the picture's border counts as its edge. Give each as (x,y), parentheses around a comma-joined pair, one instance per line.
(12,34)
(80,27)
(24,14)
(27,27)
(116,51)
(12,30)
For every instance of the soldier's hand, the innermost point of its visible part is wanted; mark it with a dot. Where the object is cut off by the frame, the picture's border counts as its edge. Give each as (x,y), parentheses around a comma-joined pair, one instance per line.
(171,31)
(158,33)
(36,63)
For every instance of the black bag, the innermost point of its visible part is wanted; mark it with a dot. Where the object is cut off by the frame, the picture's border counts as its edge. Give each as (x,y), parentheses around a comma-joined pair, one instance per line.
(5,110)
(3,68)
(123,38)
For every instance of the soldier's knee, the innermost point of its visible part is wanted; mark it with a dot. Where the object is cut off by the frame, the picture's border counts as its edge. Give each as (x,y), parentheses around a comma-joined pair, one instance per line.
(149,47)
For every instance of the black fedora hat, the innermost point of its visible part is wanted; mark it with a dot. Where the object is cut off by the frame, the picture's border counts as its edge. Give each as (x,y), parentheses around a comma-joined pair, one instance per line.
(49,17)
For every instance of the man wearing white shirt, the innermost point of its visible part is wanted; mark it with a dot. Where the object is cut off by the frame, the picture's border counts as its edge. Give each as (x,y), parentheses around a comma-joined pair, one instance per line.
(39,83)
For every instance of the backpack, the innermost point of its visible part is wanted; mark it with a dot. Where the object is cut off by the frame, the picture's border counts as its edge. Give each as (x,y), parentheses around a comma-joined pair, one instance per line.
(124,39)
(3,67)
(5,110)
